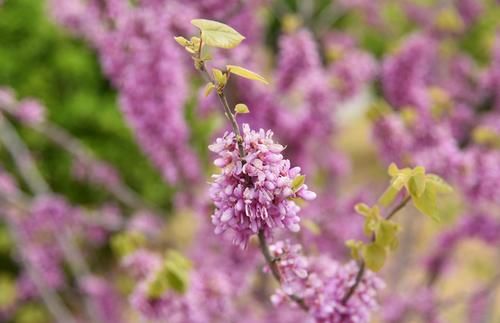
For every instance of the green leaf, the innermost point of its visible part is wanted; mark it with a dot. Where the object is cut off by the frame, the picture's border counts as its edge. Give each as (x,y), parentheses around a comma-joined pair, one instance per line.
(393,170)
(241,108)
(9,292)
(174,275)
(388,196)
(416,184)
(372,221)
(217,34)
(426,203)
(438,183)
(176,278)
(363,209)
(387,233)
(374,256)
(125,243)
(297,182)
(220,77)
(243,72)
(208,88)
(182,41)
(356,248)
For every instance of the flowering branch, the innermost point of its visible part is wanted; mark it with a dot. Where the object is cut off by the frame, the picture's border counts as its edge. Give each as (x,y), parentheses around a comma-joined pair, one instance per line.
(36,183)
(234,124)
(51,300)
(218,82)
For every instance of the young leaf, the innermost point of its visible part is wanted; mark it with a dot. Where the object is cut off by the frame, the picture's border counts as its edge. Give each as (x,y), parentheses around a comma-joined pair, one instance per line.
(393,170)
(388,196)
(243,72)
(241,108)
(356,248)
(416,184)
(374,256)
(176,277)
(363,209)
(217,34)
(297,182)
(219,76)
(208,88)
(372,221)
(182,41)
(387,233)
(438,183)
(426,203)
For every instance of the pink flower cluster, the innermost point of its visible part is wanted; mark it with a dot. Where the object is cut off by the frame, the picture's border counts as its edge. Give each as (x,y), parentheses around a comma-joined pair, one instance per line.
(254,192)
(48,218)
(137,55)
(322,283)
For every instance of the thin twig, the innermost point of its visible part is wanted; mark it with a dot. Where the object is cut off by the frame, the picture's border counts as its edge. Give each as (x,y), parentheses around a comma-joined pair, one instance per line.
(22,157)
(271,262)
(78,151)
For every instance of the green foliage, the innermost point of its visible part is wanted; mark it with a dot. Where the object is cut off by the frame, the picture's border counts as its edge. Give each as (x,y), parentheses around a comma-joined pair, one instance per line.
(374,256)
(486,136)
(297,182)
(356,248)
(209,88)
(220,77)
(9,291)
(423,188)
(31,313)
(5,240)
(241,108)
(124,243)
(384,237)
(243,72)
(216,34)
(174,275)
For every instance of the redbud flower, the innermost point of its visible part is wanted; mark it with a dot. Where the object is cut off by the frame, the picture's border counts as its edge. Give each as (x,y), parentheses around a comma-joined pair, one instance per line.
(254,192)
(321,283)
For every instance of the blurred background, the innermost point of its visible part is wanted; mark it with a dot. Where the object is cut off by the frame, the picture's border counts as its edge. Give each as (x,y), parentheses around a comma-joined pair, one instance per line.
(80,101)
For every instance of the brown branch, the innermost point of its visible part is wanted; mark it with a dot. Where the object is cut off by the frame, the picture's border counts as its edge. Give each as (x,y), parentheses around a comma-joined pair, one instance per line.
(271,262)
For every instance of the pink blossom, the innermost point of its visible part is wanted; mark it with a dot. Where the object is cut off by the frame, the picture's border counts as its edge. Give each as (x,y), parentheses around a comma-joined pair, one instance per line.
(254,192)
